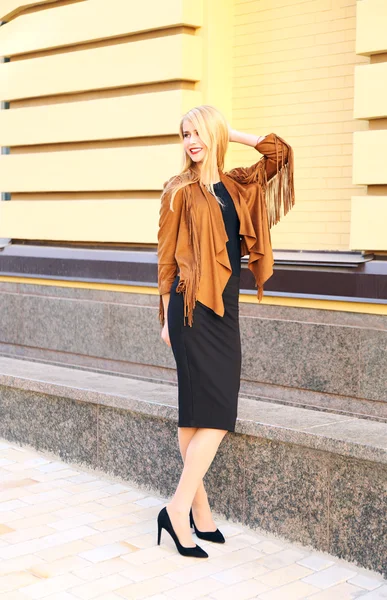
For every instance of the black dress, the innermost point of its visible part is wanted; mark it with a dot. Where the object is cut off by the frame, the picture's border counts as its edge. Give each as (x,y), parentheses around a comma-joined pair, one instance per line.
(208,354)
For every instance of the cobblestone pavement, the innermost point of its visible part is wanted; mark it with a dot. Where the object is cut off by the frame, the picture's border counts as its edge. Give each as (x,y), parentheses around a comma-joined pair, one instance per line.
(67,532)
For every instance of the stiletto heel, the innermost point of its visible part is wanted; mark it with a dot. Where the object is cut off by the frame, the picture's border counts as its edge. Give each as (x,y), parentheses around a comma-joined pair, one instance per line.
(210,536)
(163,521)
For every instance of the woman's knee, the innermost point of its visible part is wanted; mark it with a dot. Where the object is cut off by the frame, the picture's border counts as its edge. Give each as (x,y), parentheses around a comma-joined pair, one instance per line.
(185,435)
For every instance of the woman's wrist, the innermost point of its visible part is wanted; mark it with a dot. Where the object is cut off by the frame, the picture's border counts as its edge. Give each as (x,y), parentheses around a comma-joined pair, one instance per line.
(165,300)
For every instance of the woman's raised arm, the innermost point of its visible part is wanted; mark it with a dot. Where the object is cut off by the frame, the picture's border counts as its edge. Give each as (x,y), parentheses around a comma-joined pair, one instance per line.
(274,172)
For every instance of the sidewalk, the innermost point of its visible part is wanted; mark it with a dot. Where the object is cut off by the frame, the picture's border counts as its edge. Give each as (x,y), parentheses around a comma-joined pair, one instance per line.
(68,533)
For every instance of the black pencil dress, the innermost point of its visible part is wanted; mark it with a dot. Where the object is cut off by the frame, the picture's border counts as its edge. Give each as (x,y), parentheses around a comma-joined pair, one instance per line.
(208,354)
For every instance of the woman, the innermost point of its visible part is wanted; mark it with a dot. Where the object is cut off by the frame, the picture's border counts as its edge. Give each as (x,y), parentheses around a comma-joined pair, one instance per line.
(209,220)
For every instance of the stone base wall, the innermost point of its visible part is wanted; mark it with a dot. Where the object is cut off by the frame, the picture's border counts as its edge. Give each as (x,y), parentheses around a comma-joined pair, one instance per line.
(328,360)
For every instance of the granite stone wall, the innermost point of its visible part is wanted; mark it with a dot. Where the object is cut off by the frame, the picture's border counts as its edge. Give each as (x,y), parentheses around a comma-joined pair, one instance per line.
(331,360)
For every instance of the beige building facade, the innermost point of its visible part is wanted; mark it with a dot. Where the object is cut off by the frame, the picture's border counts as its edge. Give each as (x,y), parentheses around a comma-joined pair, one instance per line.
(92,93)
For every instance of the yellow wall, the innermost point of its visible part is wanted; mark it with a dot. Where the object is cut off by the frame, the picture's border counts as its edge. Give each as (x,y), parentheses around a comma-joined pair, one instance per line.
(89,120)
(293,73)
(96,98)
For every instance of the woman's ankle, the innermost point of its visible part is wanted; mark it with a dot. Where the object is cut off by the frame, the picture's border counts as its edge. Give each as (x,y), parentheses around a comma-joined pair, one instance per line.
(177,509)
(201,506)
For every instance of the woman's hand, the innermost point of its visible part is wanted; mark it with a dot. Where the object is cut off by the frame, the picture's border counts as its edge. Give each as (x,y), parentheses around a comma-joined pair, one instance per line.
(165,333)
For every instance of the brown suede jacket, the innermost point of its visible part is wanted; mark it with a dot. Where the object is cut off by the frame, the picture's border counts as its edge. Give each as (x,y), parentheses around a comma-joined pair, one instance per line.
(192,238)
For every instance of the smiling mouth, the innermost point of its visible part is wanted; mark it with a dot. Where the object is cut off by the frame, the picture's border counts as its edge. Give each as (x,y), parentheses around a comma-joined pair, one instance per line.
(195,150)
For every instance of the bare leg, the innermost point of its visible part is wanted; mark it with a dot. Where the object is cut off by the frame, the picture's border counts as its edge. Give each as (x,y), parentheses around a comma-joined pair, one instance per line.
(199,455)
(200,506)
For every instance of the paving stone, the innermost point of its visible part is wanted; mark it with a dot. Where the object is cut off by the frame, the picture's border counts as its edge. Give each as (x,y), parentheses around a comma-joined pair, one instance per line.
(250,570)
(99,587)
(378,594)
(315,563)
(105,552)
(194,572)
(243,590)
(293,591)
(329,577)
(283,575)
(149,501)
(194,589)
(282,558)
(144,589)
(343,591)
(367,583)
(50,586)
(14,581)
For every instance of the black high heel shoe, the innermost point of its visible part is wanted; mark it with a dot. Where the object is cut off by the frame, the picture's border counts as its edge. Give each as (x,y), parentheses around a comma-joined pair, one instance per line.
(163,520)
(210,536)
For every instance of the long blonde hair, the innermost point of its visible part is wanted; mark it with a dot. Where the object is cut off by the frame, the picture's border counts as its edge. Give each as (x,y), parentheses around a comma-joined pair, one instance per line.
(212,128)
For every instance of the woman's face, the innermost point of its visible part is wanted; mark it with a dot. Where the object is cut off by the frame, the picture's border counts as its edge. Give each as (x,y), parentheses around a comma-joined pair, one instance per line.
(193,145)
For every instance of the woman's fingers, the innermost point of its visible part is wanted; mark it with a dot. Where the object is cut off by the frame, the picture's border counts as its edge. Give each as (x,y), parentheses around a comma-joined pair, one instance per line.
(165,335)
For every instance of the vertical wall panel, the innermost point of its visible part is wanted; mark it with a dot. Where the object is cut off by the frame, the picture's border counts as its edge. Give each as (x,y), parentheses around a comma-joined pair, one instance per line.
(370,156)
(371,27)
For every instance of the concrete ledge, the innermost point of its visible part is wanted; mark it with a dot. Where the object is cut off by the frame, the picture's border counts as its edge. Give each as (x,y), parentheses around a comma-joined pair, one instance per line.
(347,436)
(313,477)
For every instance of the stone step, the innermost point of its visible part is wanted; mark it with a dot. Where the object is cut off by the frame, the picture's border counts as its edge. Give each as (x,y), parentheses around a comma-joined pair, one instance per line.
(315,477)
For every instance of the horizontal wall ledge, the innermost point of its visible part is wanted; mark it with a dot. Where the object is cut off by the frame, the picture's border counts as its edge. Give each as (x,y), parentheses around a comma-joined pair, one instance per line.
(370,99)
(126,168)
(321,258)
(365,281)
(368,222)
(122,117)
(371,26)
(94,20)
(9,8)
(169,58)
(131,220)
(369,157)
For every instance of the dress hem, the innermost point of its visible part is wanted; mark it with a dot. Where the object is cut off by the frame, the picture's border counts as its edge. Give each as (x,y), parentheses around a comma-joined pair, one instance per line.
(208,427)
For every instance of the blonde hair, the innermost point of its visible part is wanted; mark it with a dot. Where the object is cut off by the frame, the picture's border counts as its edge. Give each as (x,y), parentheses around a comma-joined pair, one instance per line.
(212,128)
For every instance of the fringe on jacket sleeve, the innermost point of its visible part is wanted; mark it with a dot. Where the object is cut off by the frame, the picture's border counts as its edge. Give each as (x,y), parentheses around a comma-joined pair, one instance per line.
(190,276)
(274,172)
(169,223)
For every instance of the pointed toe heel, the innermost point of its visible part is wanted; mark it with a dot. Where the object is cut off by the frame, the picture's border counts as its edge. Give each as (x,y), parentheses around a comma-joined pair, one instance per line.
(163,521)
(210,536)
